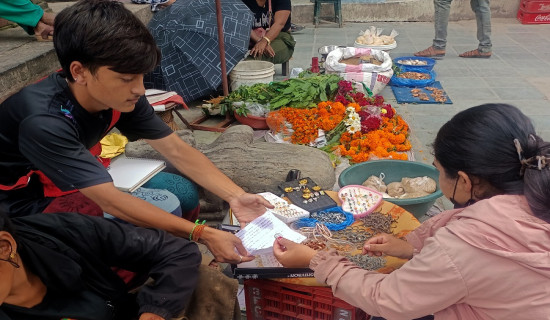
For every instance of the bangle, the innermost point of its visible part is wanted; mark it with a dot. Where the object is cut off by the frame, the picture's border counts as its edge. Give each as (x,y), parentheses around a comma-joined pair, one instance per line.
(195,226)
(267,39)
(198,232)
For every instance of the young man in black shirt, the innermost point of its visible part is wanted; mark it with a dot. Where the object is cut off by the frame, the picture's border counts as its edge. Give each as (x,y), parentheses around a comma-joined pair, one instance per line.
(47,129)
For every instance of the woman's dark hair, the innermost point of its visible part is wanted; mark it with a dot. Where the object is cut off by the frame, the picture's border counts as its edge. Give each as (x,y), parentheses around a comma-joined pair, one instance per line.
(104,33)
(480,142)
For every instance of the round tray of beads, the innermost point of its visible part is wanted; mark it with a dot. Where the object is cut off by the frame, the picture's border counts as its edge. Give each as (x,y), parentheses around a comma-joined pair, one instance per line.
(283,210)
(359,200)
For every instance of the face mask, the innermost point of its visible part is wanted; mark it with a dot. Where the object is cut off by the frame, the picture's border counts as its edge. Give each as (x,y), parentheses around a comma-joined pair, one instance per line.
(458,205)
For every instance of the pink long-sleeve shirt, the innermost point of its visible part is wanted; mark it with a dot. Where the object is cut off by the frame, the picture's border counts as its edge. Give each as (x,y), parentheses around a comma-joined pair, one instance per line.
(490,260)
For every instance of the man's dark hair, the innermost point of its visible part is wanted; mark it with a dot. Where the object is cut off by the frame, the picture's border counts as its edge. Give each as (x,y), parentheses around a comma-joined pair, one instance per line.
(104,33)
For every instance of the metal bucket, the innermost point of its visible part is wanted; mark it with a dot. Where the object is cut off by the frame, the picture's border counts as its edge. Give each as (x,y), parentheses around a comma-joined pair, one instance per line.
(324,51)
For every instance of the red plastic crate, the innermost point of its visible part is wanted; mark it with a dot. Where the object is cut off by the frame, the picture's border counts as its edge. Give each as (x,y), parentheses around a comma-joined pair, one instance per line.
(533,18)
(535,6)
(272,300)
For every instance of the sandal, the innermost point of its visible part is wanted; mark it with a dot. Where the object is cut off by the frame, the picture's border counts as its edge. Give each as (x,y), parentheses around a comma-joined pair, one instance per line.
(430,52)
(475,54)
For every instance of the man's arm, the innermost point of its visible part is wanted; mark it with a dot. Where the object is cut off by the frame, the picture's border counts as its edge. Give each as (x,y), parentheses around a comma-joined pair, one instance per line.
(196,166)
(141,213)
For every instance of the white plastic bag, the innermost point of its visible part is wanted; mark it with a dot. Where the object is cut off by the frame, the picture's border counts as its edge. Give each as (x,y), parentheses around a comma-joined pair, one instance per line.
(375,77)
(333,65)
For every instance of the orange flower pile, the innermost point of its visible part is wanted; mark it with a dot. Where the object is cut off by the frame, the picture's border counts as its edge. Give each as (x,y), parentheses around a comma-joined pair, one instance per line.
(307,122)
(386,142)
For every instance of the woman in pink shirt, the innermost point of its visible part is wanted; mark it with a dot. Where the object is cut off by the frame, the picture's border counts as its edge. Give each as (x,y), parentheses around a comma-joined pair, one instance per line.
(489,258)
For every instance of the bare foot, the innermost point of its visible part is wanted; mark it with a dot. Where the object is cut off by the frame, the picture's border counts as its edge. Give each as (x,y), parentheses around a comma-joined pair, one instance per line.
(43,32)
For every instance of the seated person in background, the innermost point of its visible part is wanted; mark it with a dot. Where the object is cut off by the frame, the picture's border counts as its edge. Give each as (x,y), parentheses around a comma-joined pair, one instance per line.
(29,16)
(486,259)
(270,39)
(58,266)
(47,129)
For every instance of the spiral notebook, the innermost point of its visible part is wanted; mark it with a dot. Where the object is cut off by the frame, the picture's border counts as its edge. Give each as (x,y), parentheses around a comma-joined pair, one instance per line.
(131,173)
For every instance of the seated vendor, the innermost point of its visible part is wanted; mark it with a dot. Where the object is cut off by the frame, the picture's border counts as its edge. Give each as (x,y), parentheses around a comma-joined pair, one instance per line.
(486,259)
(47,271)
(270,39)
(49,130)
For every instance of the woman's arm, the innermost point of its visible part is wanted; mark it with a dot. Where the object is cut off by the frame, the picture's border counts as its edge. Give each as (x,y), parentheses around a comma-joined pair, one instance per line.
(426,284)
(279,20)
(262,44)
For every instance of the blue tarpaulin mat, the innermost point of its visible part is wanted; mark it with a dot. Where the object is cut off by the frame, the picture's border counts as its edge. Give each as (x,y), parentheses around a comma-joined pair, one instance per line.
(404,95)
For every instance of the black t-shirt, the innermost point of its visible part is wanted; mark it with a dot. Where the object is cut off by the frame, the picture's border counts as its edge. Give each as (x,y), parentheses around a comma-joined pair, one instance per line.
(43,127)
(261,16)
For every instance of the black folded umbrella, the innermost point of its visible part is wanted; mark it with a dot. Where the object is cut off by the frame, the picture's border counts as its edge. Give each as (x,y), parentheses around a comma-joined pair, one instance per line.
(187,35)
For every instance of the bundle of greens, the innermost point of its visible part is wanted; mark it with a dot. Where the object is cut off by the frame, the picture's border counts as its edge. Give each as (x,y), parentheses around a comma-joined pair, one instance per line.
(302,92)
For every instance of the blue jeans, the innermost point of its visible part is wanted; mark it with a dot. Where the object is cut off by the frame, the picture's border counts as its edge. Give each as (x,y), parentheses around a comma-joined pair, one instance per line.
(482,11)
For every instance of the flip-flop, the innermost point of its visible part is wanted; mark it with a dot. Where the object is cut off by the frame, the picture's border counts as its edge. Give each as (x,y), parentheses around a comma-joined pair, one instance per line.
(475,54)
(430,52)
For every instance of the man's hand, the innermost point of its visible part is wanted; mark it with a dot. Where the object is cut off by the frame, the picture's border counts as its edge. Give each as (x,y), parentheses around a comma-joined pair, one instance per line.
(248,207)
(222,245)
(387,244)
(150,316)
(291,254)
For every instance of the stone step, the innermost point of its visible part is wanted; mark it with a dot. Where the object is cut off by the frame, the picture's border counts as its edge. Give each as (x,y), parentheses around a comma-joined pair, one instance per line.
(396,10)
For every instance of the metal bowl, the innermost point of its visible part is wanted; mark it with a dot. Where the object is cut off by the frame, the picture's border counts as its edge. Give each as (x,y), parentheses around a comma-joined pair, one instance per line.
(326,49)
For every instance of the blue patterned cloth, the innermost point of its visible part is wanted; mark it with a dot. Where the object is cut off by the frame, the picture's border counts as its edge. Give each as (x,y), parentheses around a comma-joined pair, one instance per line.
(185,190)
(169,192)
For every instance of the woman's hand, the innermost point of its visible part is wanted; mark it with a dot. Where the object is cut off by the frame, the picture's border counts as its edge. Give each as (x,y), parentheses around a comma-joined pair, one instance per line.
(387,244)
(248,207)
(291,254)
(150,316)
(222,245)
(262,47)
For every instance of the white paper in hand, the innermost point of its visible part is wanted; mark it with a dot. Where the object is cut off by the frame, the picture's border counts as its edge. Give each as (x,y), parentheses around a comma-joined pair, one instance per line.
(259,234)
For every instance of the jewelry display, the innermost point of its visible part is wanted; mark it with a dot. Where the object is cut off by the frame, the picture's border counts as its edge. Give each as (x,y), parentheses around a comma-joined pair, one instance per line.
(283,210)
(359,200)
(307,195)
